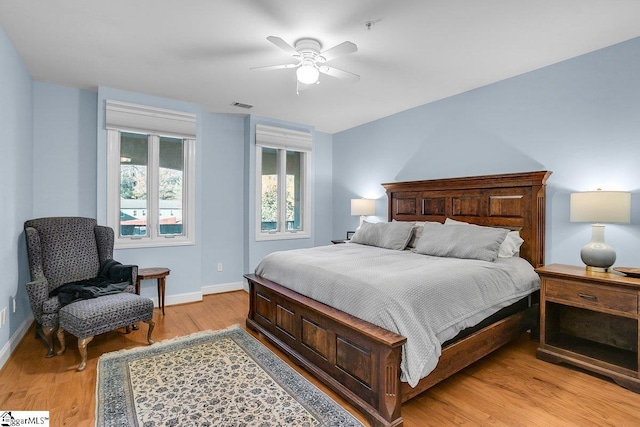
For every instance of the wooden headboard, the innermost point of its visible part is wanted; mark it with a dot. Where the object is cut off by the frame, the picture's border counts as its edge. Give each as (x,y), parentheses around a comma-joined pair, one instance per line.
(515,201)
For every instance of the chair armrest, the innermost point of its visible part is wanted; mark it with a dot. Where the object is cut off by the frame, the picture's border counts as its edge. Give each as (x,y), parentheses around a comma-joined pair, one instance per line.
(124,273)
(38,291)
(104,240)
(35,256)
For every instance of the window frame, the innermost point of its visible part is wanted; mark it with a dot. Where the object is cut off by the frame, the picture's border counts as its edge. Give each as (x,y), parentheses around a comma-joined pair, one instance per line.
(284,140)
(140,125)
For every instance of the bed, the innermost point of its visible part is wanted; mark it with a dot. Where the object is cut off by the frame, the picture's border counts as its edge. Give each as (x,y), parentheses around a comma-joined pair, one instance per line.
(362,361)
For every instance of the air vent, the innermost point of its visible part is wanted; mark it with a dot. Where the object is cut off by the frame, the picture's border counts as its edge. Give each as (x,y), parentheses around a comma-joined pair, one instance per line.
(242,105)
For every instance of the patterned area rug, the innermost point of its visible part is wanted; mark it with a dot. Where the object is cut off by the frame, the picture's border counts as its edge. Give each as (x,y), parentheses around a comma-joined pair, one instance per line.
(223,378)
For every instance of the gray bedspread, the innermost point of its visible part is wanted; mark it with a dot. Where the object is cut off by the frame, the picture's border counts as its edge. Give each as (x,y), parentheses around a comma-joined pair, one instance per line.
(426,299)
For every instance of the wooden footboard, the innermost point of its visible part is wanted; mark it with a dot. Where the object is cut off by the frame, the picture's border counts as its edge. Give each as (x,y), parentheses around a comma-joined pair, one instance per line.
(358,360)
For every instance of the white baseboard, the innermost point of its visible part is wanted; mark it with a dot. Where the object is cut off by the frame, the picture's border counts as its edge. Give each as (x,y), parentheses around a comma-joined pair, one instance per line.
(180,299)
(13,342)
(223,287)
(197,296)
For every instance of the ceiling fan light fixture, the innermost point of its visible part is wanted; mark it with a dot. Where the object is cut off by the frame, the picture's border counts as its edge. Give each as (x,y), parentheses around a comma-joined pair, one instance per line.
(307,74)
(311,60)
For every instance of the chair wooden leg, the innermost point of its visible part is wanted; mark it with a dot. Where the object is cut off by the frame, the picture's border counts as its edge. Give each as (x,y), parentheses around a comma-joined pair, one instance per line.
(151,324)
(47,335)
(82,348)
(63,344)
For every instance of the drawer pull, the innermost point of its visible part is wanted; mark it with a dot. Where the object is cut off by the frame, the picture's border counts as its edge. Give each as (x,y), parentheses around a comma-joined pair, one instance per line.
(588,297)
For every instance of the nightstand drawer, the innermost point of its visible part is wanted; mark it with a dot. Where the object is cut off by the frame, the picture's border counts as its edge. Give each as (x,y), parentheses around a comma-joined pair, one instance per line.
(592,296)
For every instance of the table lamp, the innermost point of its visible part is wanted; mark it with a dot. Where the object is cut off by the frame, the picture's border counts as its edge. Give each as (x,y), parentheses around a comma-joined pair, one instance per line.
(599,207)
(363,207)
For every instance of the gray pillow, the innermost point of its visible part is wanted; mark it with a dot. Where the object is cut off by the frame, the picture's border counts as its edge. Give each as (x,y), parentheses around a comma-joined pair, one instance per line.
(389,235)
(509,248)
(461,241)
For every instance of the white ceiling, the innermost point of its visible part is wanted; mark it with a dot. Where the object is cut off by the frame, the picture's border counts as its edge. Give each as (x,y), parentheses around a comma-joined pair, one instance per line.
(417,51)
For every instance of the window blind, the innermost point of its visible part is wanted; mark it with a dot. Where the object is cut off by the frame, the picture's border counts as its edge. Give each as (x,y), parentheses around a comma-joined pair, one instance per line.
(275,137)
(123,116)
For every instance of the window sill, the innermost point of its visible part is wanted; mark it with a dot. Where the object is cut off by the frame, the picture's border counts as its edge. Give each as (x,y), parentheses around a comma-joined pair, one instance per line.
(281,236)
(146,242)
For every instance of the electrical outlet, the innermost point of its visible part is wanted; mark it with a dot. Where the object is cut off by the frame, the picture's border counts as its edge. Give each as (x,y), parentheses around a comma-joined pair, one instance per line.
(15,305)
(3,316)
(219,266)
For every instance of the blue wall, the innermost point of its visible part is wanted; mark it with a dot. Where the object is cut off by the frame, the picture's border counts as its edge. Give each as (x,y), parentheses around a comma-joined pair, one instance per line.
(222,200)
(578,118)
(323,188)
(16,168)
(64,155)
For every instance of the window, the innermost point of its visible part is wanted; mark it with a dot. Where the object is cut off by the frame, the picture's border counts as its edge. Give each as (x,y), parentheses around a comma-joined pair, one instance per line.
(282,183)
(150,176)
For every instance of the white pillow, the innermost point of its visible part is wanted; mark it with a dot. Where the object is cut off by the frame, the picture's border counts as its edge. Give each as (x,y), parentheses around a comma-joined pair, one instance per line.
(508,248)
(511,245)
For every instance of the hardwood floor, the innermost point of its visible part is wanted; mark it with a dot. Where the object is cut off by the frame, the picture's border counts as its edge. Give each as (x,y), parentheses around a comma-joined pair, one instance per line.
(508,388)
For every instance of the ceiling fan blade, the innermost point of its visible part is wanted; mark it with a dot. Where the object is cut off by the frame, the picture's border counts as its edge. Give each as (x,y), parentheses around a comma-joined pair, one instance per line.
(275,67)
(343,48)
(282,45)
(339,74)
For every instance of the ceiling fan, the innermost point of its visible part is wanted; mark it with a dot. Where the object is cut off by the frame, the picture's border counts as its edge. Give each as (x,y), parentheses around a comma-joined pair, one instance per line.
(311,60)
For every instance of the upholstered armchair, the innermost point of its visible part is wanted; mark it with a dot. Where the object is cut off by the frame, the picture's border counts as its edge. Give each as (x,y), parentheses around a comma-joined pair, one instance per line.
(63,250)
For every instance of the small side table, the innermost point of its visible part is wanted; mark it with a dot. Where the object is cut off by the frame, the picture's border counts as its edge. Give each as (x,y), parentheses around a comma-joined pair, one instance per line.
(590,320)
(159,273)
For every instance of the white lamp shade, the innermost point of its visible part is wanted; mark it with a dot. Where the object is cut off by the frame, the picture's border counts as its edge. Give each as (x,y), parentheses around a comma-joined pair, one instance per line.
(601,207)
(307,74)
(363,207)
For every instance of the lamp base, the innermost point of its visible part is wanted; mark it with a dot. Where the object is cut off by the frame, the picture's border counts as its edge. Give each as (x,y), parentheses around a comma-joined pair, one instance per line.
(597,255)
(597,269)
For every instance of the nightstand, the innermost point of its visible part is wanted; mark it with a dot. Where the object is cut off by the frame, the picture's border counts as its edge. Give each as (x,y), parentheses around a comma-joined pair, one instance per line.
(590,320)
